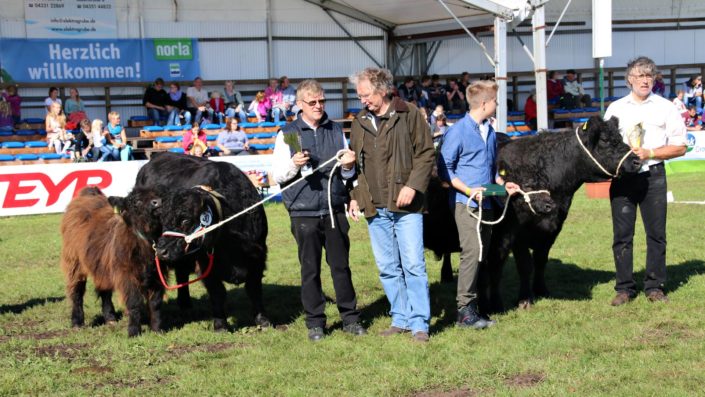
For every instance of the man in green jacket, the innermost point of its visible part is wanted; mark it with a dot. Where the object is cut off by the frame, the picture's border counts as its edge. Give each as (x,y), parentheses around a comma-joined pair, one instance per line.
(392,142)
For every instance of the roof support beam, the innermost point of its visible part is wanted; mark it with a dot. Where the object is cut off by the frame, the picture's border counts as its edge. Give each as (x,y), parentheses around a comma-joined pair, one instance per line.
(472,36)
(492,7)
(340,25)
(353,13)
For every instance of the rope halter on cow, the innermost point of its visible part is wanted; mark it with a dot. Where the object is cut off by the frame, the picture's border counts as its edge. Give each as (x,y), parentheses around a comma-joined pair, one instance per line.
(582,145)
(527,198)
(338,156)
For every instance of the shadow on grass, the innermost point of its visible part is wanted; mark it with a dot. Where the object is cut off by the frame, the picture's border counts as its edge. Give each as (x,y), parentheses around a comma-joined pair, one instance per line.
(21,307)
(282,304)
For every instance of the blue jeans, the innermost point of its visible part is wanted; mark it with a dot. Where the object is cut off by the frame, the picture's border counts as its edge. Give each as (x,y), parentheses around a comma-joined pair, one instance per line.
(397,243)
(278,114)
(175,120)
(697,101)
(230,113)
(156,115)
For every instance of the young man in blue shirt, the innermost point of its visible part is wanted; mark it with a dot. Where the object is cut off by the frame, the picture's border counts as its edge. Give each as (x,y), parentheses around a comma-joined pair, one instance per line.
(467,161)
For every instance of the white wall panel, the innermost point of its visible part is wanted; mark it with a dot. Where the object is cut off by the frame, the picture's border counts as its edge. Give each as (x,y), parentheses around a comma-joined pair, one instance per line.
(242,60)
(216,29)
(301,59)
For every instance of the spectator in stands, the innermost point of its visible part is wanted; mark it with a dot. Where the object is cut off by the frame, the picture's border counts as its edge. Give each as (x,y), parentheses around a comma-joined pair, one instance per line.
(437,92)
(575,96)
(259,106)
(80,142)
(102,148)
(409,92)
(464,81)
(195,140)
(439,128)
(53,97)
(197,99)
(425,84)
(74,109)
(530,112)
(156,100)
(455,98)
(554,87)
(121,149)
(6,122)
(437,112)
(55,125)
(233,102)
(693,121)
(276,101)
(217,105)
(694,92)
(12,97)
(659,85)
(288,95)
(179,105)
(232,141)
(680,105)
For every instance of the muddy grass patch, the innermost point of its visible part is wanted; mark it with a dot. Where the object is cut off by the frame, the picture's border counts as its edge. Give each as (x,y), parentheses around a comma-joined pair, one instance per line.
(462,392)
(69,351)
(525,379)
(206,347)
(663,332)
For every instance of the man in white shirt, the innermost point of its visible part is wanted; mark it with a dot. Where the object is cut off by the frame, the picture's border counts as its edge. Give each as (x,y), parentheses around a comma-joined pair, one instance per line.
(197,99)
(653,128)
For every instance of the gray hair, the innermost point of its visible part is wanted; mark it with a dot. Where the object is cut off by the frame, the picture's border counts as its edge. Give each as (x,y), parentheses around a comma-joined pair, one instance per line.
(381,80)
(643,64)
(309,86)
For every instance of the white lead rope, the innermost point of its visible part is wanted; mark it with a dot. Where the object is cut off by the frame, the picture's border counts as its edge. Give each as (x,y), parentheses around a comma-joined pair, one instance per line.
(527,198)
(336,158)
(595,160)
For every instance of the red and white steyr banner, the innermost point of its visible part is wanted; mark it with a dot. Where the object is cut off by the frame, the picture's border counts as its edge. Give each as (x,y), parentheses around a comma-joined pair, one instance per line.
(48,188)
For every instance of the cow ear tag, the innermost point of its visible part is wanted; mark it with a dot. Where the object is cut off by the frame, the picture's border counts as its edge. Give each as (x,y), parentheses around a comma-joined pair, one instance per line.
(206,217)
(502,172)
(585,126)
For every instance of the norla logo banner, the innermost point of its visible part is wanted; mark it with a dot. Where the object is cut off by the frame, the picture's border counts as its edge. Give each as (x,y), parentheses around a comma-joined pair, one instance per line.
(173,49)
(97,60)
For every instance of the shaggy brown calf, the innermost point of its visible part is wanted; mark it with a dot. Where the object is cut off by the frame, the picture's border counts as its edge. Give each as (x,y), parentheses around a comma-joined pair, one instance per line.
(105,241)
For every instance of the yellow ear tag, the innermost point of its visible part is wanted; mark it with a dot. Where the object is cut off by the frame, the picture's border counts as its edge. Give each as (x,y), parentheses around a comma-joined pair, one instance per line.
(502,172)
(585,126)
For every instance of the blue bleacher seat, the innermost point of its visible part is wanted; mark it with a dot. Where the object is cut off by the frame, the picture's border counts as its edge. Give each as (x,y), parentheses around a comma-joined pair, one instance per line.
(36,144)
(552,101)
(7,157)
(262,146)
(248,125)
(50,156)
(591,109)
(222,125)
(251,114)
(6,133)
(173,128)
(211,138)
(177,150)
(515,113)
(41,132)
(166,139)
(280,123)
(139,118)
(455,116)
(211,127)
(517,123)
(354,110)
(562,111)
(153,128)
(262,135)
(33,120)
(267,124)
(12,145)
(27,157)
(27,132)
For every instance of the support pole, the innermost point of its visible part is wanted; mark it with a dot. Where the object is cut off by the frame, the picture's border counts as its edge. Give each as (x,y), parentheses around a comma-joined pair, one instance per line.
(500,53)
(270,51)
(538,23)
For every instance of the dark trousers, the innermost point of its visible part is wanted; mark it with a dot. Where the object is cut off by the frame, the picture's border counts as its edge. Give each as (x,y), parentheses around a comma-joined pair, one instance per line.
(312,234)
(648,191)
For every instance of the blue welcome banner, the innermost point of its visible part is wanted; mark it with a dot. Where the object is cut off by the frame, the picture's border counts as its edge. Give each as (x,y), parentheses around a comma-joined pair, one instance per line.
(98,60)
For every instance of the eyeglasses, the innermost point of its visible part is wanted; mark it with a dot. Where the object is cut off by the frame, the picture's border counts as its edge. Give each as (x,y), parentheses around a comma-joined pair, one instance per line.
(315,101)
(364,97)
(642,77)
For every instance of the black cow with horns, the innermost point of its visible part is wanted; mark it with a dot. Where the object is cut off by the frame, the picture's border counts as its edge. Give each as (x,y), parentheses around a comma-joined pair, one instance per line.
(196,193)
(559,162)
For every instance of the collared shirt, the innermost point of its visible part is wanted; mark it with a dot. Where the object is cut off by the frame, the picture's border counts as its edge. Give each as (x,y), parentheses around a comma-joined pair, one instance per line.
(659,117)
(199,96)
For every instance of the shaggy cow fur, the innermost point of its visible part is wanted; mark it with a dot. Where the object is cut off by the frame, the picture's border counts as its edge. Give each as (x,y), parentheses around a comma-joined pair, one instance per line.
(554,162)
(103,241)
(239,247)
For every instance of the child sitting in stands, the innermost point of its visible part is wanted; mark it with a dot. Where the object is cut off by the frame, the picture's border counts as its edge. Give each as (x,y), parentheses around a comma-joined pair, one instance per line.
(259,106)
(217,106)
(195,141)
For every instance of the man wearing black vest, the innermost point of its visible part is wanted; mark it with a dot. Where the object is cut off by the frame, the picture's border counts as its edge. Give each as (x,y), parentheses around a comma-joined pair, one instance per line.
(301,146)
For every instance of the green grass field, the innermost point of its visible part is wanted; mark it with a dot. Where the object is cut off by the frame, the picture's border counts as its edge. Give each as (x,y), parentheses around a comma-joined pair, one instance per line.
(574,343)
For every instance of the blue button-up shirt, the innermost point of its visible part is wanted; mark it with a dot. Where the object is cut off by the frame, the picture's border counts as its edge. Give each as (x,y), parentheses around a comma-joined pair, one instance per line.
(467,156)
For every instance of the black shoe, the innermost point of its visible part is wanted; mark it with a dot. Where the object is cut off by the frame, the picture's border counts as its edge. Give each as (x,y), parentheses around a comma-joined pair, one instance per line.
(355,329)
(468,318)
(315,334)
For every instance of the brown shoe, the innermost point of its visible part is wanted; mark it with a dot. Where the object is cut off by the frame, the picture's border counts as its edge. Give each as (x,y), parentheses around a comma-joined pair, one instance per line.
(621,298)
(393,331)
(420,336)
(657,296)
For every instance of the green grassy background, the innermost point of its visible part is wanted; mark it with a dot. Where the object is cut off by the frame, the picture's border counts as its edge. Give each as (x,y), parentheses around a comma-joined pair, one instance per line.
(573,343)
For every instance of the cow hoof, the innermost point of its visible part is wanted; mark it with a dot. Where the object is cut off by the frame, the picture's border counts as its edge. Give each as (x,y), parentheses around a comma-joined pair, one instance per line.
(111,322)
(220,325)
(525,304)
(133,331)
(262,321)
